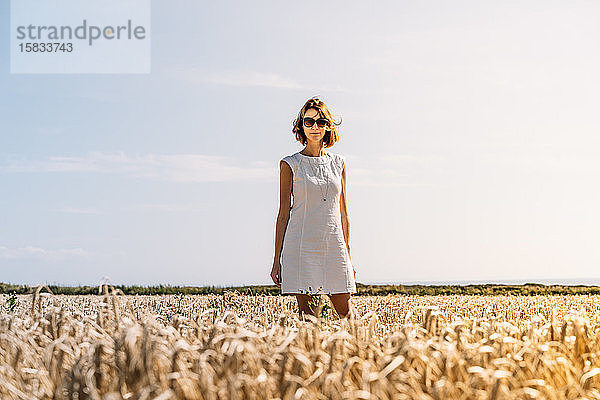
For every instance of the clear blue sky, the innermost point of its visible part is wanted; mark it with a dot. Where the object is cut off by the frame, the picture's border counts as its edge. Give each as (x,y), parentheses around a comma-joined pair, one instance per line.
(470,128)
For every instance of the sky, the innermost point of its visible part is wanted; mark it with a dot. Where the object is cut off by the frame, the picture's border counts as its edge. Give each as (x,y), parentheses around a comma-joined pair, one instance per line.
(470,128)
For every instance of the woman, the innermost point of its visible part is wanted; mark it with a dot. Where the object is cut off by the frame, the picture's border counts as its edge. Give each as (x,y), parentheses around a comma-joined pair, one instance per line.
(312,250)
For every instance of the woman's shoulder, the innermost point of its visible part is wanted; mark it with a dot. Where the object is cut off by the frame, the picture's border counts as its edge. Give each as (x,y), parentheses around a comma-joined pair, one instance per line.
(338,158)
(290,159)
(290,156)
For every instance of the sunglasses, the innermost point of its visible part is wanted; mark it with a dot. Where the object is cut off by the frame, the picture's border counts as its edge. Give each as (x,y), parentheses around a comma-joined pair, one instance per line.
(321,122)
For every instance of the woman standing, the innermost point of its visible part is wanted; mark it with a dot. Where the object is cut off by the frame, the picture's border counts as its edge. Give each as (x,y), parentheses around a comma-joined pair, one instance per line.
(312,250)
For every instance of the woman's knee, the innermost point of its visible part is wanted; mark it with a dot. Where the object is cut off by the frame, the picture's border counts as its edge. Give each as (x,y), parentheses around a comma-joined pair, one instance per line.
(341,303)
(303,303)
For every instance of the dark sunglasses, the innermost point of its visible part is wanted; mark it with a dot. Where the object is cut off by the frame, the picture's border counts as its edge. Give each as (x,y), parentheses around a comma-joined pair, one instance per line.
(321,122)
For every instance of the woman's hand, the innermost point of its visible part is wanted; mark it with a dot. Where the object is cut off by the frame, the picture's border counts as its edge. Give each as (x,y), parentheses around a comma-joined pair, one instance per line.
(276,272)
(350,258)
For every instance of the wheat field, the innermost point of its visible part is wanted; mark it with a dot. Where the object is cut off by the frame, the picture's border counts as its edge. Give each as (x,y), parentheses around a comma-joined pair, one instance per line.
(234,346)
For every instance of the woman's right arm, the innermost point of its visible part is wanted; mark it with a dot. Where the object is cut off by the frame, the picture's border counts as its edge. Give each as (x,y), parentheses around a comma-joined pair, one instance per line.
(283,216)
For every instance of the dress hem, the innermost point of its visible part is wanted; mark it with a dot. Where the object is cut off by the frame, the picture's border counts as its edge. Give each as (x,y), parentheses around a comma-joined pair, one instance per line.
(323,292)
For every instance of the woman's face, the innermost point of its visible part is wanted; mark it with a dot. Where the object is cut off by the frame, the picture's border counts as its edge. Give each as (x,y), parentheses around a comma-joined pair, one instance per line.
(314,133)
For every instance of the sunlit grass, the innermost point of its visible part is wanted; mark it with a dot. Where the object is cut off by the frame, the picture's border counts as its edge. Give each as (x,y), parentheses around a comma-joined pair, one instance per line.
(254,347)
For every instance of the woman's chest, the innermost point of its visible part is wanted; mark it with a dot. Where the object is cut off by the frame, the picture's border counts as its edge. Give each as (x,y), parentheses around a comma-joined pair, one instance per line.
(313,176)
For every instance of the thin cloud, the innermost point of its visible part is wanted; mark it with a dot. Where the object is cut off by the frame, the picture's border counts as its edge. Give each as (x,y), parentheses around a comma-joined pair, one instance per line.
(549,161)
(72,210)
(32,252)
(236,78)
(168,207)
(392,170)
(383,171)
(175,168)
(246,78)
(51,131)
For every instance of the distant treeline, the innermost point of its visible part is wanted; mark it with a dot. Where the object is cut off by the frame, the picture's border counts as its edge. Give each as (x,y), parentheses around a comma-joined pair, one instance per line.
(528,289)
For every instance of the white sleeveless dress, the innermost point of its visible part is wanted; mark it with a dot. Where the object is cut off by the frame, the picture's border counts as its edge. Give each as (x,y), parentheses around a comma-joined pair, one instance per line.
(314,257)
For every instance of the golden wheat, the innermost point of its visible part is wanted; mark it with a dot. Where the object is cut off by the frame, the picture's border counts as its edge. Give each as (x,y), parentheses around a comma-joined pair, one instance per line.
(254,347)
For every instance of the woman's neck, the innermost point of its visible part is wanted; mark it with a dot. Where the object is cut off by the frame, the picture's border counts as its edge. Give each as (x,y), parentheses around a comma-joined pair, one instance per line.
(314,151)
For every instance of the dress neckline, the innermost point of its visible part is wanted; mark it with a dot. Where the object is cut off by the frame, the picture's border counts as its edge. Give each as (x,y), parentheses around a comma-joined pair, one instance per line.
(319,160)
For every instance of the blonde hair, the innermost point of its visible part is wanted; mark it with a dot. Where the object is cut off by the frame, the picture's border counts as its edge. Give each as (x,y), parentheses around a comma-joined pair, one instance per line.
(331,132)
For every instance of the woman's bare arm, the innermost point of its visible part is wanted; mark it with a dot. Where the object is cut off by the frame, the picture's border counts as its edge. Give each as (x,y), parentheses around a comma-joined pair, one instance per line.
(283,216)
(344,211)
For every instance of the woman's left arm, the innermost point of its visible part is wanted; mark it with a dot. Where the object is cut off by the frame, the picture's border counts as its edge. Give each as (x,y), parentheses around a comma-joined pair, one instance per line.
(344,212)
